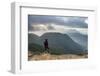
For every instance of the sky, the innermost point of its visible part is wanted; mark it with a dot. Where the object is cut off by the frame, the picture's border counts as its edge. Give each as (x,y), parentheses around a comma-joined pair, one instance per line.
(40,24)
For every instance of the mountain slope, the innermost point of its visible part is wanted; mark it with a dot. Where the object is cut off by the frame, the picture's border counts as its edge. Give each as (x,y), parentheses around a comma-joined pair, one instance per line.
(32,38)
(63,42)
(79,38)
(57,41)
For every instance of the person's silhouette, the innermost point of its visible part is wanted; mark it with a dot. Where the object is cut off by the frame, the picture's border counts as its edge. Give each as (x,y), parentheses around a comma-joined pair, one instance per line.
(46,44)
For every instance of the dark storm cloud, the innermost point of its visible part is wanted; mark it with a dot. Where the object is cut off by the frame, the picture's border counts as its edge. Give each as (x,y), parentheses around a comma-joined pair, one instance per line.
(78,22)
(43,20)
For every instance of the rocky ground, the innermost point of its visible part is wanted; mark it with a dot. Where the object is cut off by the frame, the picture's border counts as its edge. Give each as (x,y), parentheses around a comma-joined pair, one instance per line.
(47,56)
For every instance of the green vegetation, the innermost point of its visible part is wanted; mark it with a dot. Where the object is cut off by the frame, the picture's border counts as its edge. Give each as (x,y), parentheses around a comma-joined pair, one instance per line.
(37,49)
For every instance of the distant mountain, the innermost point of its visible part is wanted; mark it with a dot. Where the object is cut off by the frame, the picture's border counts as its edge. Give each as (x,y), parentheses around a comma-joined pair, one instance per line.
(32,38)
(57,41)
(79,38)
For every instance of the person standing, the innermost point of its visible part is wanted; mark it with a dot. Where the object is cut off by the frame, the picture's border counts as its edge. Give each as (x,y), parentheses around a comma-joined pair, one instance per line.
(46,47)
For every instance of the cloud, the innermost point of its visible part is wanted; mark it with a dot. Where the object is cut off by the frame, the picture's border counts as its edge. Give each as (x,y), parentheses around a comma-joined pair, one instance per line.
(35,22)
(41,27)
